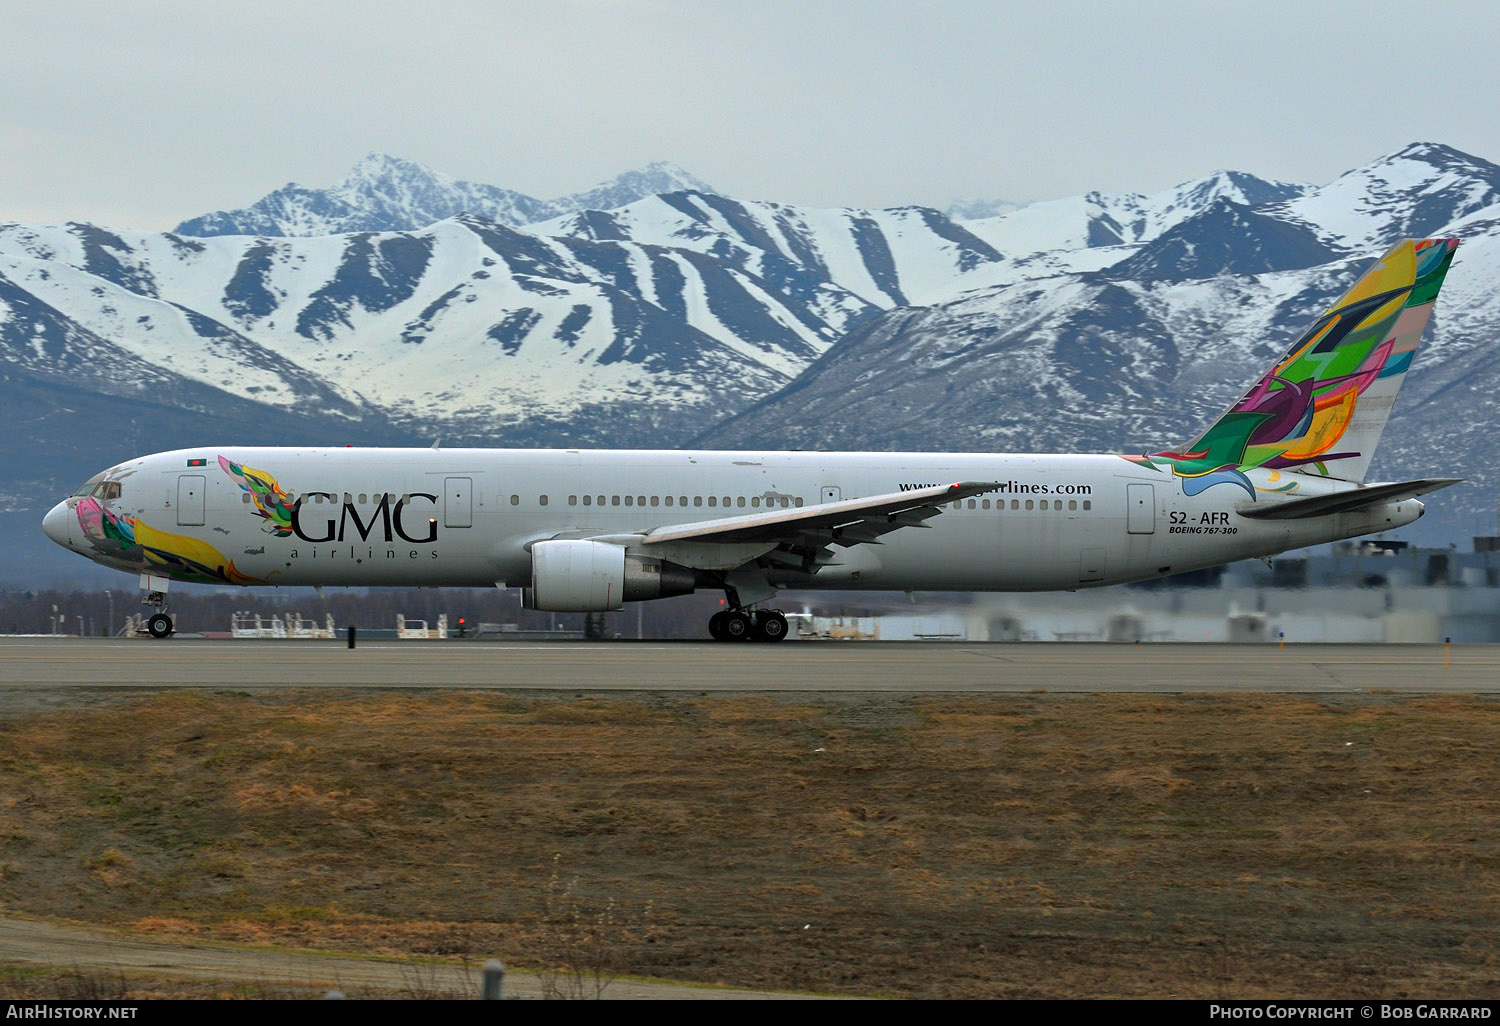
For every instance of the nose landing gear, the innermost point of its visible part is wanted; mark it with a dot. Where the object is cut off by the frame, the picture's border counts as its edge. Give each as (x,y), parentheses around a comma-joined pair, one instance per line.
(160,624)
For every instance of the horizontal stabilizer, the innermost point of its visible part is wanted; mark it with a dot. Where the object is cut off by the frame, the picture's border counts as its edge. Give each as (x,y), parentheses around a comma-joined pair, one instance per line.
(1344,501)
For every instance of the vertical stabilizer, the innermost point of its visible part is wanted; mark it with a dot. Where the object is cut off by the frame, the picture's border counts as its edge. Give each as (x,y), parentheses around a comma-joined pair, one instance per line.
(1322,407)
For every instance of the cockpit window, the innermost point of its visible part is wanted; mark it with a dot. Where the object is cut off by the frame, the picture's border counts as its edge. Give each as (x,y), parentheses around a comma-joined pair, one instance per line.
(104,490)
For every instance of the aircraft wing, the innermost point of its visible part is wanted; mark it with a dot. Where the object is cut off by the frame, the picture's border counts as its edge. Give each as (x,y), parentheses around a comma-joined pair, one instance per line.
(1344,501)
(803,534)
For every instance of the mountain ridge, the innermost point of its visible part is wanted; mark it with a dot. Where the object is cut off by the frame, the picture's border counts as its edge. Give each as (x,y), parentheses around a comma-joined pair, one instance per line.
(382,193)
(688,315)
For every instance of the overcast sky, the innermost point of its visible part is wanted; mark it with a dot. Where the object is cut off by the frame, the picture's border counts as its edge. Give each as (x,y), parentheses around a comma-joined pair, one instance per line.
(140,114)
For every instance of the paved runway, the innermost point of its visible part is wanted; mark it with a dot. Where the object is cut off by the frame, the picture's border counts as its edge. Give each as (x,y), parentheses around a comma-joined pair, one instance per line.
(804,666)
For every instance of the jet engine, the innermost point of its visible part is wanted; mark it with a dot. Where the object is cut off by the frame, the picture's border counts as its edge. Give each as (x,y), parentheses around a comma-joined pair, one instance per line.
(580,576)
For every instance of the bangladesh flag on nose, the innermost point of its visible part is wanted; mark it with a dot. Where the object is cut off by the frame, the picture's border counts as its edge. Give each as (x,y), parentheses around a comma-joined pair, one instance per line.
(198,463)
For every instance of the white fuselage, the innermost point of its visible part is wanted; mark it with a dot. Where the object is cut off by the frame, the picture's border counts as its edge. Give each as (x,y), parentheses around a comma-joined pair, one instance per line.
(466,517)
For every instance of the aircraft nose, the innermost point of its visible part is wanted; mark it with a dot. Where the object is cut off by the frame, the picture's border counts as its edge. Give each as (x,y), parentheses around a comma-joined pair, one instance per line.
(56,523)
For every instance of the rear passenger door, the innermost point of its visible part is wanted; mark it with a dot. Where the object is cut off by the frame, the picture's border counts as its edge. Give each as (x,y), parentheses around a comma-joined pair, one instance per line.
(1140,509)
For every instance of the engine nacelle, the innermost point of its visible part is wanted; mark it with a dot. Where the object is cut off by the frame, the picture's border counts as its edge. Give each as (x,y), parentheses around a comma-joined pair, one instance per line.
(580,576)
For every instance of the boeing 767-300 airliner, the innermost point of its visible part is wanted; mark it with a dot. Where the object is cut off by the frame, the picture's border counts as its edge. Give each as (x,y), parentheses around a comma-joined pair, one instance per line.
(589,530)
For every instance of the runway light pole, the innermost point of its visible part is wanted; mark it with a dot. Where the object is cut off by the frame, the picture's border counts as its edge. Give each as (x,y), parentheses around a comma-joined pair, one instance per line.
(109,630)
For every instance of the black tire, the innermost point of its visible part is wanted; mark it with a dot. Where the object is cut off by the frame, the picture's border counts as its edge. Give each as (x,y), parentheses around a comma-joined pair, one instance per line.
(716,626)
(737,626)
(771,627)
(159,626)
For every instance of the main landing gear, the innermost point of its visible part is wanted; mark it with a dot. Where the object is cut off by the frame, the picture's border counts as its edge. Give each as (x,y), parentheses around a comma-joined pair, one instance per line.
(747,625)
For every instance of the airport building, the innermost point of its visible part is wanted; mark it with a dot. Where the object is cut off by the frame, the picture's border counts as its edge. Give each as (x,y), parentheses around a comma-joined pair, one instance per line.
(1366,591)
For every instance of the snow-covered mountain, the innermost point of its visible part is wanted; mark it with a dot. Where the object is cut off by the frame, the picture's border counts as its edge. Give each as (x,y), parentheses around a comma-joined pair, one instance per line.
(886,258)
(1104,219)
(972,208)
(387,194)
(1146,349)
(1413,192)
(465,323)
(1100,322)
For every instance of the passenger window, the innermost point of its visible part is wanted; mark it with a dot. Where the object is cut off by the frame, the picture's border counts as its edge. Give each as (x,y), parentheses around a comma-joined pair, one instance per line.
(628,500)
(1087,504)
(984,504)
(1028,503)
(669,500)
(681,500)
(363,498)
(1072,504)
(541,500)
(797,502)
(640,500)
(614,500)
(572,500)
(755,502)
(655,500)
(1015,503)
(741,502)
(713,500)
(515,500)
(348,498)
(244,498)
(726,500)
(599,501)
(588,500)
(973,504)
(1044,504)
(697,500)
(957,504)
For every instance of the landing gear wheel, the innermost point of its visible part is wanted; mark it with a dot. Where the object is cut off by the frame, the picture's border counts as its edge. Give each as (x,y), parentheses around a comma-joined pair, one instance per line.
(716,626)
(159,626)
(770,626)
(737,626)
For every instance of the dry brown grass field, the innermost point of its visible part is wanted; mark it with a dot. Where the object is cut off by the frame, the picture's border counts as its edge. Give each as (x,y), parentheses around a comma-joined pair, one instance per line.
(1210,846)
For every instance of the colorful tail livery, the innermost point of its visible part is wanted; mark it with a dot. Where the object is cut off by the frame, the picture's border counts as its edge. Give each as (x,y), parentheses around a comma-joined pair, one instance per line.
(1321,408)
